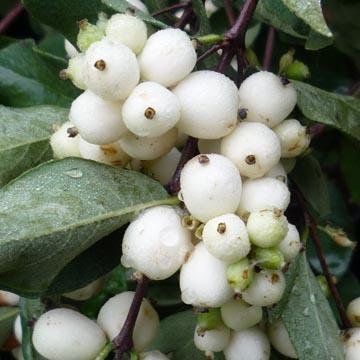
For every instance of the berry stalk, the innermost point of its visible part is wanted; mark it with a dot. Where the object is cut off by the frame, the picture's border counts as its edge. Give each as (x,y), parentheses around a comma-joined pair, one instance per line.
(10,17)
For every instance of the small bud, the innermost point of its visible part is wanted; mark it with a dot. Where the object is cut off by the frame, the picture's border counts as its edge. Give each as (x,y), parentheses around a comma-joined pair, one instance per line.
(286,60)
(338,235)
(209,320)
(323,285)
(297,71)
(100,65)
(88,34)
(240,275)
(271,258)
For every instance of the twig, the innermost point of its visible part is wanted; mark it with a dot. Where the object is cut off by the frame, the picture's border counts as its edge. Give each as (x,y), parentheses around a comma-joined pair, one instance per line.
(189,151)
(269,48)
(225,59)
(169,9)
(123,341)
(184,17)
(229,11)
(311,223)
(10,17)
(209,52)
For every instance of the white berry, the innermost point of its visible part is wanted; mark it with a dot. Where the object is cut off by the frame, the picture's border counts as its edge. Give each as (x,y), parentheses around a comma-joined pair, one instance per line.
(291,245)
(267,98)
(163,168)
(151,110)
(352,344)
(250,344)
(261,194)
(156,243)
(113,313)
(168,57)
(113,70)
(87,291)
(277,172)
(294,138)
(18,329)
(267,228)
(138,5)
(128,30)
(226,238)
(56,332)
(8,298)
(111,154)
(65,141)
(209,102)
(280,340)
(148,148)
(210,186)
(98,121)
(266,288)
(253,147)
(238,315)
(152,355)
(353,312)
(203,280)
(213,340)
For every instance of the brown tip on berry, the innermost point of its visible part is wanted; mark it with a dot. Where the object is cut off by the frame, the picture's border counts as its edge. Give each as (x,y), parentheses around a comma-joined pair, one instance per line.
(100,65)
(203,159)
(63,74)
(250,159)
(243,113)
(284,80)
(72,132)
(221,228)
(149,113)
(83,24)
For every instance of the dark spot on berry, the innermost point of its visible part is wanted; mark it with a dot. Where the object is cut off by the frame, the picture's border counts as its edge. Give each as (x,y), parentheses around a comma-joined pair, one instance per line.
(250,159)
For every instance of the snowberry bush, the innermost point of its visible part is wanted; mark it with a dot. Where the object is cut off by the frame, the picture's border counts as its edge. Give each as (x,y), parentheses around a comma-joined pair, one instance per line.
(174,185)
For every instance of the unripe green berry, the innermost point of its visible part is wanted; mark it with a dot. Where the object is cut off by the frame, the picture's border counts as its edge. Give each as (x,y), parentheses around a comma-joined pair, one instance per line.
(267,228)
(210,319)
(353,312)
(321,279)
(297,70)
(270,258)
(240,275)
(88,34)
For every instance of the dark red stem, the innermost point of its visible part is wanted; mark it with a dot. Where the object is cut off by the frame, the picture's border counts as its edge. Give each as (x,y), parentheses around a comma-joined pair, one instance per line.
(315,130)
(123,342)
(189,151)
(169,9)
(269,48)
(209,52)
(311,223)
(185,17)
(229,11)
(10,17)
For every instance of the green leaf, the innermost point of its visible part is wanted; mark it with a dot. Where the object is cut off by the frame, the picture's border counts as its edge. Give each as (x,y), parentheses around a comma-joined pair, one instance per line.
(310,179)
(33,78)
(309,320)
(30,311)
(63,15)
(204,24)
(339,111)
(24,138)
(311,13)
(7,317)
(52,213)
(316,41)
(176,335)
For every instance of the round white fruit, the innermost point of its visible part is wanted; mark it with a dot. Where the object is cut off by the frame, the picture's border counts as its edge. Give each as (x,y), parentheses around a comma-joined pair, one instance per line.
(65,141)
(168,57)
(113,70)
(111,154)
(209,102)
(156,243)
(352,344)
(261,194)
(203,280)
(152,355)
(163,168)
(8,298)
(226,238)
(280,340)
(250,344)
(267,98)
(18,329)
(210,186)
(56,332)
(87,291)
(253,147)
(148,148)
(291,245)
(267,228)
(213,340)
(238,315)
(98,121)
(266,288)
(151,110)
(278,172)
(113,313)
(128,30)
(294,138)
(353,312)
(138,5)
